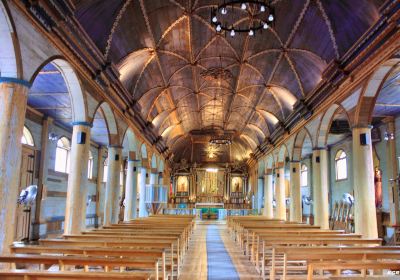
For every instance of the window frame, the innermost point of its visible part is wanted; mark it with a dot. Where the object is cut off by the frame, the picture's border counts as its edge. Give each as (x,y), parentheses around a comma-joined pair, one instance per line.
(27,137)
(90,166)
(338,159)
(303,169)
(66,148)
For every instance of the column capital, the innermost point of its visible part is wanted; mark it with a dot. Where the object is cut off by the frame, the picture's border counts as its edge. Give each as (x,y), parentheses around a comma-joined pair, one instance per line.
(361,126)
(115,146)
(17,81)
(315,149)
(82,124)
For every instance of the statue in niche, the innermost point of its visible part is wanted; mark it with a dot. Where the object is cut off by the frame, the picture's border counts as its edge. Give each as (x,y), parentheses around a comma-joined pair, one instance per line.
(378,187)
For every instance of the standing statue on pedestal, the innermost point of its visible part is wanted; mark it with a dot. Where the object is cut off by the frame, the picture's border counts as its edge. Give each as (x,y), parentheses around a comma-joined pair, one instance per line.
(378,187)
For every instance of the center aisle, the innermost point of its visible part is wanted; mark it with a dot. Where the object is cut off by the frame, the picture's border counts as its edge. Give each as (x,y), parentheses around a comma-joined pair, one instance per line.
(213,255)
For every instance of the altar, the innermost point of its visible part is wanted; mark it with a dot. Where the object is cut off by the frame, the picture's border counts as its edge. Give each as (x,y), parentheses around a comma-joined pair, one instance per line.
(208,205)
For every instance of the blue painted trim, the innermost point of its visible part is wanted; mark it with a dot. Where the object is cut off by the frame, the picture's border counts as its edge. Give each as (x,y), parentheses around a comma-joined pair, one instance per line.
(15,81)
(115,146)
(82,123)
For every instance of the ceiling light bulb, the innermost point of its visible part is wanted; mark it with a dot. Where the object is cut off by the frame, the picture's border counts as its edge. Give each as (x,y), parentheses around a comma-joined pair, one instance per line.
(262,8)
(251,32)
(243,6)
(224,11)
(218,28)
(271,17)
(214,19)
(265,25)
(232,33)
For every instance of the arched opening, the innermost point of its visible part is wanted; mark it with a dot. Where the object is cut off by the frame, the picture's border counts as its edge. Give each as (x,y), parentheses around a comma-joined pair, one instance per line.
(341,165)
(27,138)
(56,92)
(8,59)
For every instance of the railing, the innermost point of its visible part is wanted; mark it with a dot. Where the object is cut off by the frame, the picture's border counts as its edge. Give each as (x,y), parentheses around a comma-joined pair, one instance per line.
(222,213)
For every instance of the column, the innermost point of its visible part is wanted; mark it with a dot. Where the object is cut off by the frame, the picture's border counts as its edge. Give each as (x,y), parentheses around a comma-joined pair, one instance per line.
(280,198)
(99,185)
(393,190)
(111,206)
(260,187)
(131,190)
(142,192)
(320,188)
(364,187)
(296,214)
(13,98)
(75,210)
(42,178)
(268,195)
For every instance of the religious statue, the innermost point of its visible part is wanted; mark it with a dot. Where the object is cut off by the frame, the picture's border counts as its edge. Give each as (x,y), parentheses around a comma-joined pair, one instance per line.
(378,187)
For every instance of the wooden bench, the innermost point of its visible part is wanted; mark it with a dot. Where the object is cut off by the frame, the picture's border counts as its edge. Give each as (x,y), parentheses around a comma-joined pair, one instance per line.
(19,274)
(62,261)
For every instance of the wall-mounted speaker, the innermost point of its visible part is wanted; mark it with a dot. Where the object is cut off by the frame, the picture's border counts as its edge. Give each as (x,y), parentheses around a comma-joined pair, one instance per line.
(364,139)
(294,169)
(317,159)
(81,138)
(116,157)
(134,169)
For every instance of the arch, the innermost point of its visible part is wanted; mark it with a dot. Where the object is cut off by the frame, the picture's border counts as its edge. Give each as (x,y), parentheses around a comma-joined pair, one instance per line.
(8,50)
(143,151)
(129,142)
(111,124)
(299,143)
(75,90)
(27,138)
(269,162)
(371,91)
(283,152)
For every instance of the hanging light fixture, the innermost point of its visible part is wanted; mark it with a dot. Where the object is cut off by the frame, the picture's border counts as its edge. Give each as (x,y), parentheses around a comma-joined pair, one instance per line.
(259,13)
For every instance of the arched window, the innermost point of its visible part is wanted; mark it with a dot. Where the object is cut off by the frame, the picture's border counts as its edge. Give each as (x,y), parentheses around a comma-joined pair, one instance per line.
(304,175)
(62,155)
(90,165)
(27,138)
(105,170)
(341,165)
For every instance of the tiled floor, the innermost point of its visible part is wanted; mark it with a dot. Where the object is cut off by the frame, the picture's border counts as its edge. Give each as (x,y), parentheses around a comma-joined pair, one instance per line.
(214,255)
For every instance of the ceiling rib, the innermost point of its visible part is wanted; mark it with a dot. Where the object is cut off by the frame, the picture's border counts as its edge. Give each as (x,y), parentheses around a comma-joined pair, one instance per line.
(168,95)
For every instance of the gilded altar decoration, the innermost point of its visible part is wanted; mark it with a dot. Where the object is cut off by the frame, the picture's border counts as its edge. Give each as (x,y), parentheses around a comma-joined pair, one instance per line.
(237,184)
(182,184)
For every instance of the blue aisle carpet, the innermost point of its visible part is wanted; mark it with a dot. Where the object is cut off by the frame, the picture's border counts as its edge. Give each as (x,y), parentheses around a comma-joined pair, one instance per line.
(219,263)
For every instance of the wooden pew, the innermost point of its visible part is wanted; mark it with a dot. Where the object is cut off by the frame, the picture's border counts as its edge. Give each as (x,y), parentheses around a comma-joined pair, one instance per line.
(135,244)
(354,264)
(19,274)
(299,256)
(63,261)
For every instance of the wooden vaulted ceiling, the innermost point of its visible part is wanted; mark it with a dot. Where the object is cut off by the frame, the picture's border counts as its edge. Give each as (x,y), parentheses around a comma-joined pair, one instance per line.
(161,46)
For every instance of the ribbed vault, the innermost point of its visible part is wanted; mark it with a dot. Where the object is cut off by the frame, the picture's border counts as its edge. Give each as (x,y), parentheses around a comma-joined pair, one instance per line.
(161,47)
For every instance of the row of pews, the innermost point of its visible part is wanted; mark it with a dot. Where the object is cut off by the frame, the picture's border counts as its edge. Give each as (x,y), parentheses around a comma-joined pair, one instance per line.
(288,250)
(144,248)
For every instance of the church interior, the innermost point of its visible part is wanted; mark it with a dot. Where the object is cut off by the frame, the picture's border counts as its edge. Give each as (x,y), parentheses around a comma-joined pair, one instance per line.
(199,139)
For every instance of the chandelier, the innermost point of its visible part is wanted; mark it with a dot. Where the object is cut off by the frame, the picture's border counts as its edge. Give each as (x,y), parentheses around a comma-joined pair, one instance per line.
(260,13)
